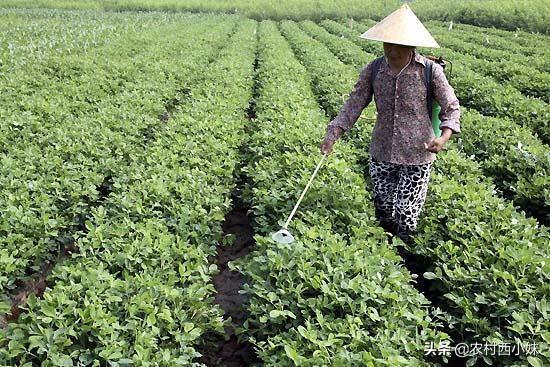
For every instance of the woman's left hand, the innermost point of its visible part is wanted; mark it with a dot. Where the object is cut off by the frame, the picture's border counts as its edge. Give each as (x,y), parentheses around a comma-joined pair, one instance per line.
(436,145)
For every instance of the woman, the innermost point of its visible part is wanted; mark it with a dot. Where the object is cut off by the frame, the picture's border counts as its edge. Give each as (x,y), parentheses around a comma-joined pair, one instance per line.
(403,144)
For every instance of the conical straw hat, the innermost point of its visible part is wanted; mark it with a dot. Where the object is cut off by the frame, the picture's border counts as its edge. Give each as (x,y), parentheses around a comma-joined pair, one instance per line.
(403,28)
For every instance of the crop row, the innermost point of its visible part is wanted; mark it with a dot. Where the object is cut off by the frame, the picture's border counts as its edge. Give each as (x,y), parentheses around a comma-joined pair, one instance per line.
(520,45)
(257,9)
(57,84)
(491,140)
(337,296)
(69,139)
(139,291)
(505,66)
(485,257)
(532,81)
(32,36)
(523,38)
(505,14)
(518,164)
(528,15)
(42,168)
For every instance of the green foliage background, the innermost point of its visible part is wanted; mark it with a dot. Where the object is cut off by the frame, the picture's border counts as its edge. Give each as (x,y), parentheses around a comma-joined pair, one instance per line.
(529,15)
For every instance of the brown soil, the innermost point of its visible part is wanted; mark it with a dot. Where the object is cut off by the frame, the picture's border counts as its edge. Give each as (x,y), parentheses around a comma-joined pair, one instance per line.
(226,350)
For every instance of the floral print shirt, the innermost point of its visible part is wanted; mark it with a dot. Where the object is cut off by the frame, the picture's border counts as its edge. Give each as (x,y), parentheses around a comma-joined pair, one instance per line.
(403,124)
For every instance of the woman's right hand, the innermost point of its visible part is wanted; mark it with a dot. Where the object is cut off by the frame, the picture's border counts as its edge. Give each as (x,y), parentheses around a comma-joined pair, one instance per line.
(333,134)
(326,146)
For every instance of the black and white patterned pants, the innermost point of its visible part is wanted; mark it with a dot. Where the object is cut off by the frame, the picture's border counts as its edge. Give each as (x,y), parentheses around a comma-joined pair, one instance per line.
(399,194)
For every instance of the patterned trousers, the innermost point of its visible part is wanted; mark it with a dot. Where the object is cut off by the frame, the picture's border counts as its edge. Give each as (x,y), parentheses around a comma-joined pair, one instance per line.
(399,194)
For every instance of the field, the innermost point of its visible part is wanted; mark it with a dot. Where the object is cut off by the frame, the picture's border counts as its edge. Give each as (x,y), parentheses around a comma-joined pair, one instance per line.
(523,15)
(142,150)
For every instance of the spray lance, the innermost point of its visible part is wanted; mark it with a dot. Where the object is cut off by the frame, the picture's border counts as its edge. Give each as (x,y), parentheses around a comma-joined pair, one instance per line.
(436,108)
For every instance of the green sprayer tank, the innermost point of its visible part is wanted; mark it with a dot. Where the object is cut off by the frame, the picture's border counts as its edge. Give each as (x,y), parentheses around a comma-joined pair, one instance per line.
(436,123)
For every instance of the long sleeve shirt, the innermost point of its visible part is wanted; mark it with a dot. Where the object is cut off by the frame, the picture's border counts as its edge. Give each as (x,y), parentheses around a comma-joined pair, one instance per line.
(403,123)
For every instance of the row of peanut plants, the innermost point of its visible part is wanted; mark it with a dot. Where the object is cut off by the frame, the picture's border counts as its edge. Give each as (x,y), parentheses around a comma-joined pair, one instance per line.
(337,296)
(44,57)
(522,38)
(256,9)
(518,44)
(484,93)
(529,15)
(504,14)
(139,291)
(37,147)
(31,36)
(101,111)
(487,259)
(493,141)
(527,49)
(65,156)
(516,70)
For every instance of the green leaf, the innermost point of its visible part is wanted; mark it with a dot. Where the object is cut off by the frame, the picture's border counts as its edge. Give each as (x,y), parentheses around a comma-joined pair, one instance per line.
(429,275)
(4,307)
(275,313)
(534,361)
(36,341)
(188,326)
(292,354)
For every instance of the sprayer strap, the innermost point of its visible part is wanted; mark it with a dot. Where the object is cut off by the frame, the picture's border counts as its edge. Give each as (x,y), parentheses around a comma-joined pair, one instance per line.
(428,82)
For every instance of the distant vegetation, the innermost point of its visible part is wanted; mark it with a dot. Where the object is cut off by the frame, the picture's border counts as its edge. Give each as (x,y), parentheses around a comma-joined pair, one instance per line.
(529,15)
